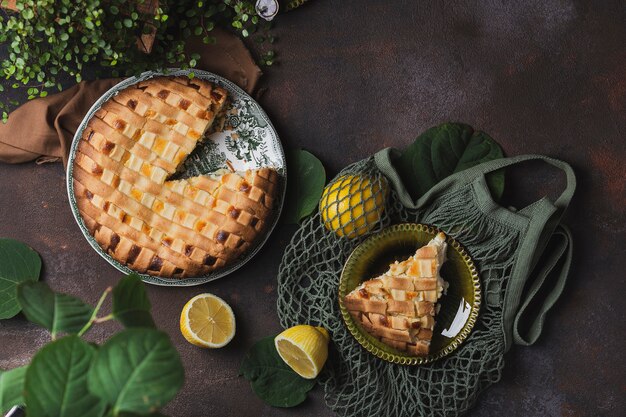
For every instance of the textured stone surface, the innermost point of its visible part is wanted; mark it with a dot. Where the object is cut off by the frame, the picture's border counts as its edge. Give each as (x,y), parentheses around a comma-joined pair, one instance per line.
(543,77)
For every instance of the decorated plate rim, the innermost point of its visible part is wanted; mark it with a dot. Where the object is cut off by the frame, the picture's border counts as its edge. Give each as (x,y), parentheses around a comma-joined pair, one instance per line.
(275,144)
(399,357)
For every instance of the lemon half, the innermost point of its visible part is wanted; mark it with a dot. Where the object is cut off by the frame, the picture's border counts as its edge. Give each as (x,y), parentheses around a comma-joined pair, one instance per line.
(207,321)
(304,348)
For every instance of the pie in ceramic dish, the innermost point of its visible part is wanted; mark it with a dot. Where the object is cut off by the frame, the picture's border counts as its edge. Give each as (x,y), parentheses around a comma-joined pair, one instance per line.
(179,228)
(399,306)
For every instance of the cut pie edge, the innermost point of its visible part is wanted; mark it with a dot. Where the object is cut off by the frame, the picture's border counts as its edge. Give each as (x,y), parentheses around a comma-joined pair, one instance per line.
(398,307)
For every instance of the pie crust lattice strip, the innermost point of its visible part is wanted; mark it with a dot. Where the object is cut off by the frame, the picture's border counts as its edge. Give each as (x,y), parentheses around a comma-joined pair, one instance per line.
(399,306)
(168,228)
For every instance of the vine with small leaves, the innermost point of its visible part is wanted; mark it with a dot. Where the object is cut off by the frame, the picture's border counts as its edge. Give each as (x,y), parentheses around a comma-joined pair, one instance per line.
(49,41)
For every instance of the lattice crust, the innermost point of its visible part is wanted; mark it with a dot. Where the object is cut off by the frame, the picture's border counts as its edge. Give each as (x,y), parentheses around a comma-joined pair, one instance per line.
(179,228)
(399,306)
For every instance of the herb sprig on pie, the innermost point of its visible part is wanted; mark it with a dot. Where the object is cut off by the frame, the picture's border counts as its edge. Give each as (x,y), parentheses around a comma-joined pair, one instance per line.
(169,228)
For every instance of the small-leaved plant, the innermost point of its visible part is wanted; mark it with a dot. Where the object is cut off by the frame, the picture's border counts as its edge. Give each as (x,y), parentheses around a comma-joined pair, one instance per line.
(48,41)
(135,372)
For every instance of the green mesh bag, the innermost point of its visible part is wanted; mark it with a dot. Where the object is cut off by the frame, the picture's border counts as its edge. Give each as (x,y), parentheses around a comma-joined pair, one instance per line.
(509,248)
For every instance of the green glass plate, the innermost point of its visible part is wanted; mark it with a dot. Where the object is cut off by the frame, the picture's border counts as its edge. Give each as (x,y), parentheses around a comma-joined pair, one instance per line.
(459,306)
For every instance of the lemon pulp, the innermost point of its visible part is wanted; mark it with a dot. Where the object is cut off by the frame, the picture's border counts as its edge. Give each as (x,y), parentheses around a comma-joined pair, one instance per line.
(304,348)
(207,321)
(294,357)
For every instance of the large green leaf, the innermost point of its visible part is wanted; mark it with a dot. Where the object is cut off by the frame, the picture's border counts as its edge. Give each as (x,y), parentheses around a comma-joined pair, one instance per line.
(271,378)
(304,188)
(56,381)
(11,388)
(56,312)
(444,150)
(131,305)
(18,263)
(137,370)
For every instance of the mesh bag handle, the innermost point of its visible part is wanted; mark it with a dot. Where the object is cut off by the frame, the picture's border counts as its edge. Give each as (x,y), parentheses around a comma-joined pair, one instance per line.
(561,254)
(384,162)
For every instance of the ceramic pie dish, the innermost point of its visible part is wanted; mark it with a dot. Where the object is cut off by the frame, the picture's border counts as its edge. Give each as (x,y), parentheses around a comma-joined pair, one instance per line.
(459,307)
(154,195)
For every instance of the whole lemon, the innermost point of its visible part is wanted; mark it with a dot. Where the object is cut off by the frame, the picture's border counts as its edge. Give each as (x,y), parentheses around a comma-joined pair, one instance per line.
(353,204)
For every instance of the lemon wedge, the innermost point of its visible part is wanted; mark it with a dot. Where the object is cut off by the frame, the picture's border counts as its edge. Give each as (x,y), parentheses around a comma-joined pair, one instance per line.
(304,348)
(207,321)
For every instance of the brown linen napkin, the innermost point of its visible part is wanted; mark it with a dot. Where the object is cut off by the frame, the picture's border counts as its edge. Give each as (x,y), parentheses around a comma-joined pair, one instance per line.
(43,128)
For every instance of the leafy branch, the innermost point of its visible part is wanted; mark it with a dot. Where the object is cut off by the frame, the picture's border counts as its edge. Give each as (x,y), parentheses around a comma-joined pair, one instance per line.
(137,371)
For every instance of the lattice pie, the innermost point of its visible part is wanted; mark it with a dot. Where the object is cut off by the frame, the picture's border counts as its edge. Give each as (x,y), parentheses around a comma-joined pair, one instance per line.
(180,228)
(399,306)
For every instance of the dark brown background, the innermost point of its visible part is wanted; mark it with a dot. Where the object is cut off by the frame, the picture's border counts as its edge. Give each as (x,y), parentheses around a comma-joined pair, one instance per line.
(543,77)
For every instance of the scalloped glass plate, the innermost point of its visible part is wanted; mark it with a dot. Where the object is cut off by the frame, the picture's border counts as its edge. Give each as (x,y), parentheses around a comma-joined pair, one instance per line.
(246,140)
(459,306)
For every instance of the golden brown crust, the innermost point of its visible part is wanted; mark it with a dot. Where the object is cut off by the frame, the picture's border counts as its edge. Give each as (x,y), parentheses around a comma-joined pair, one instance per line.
(398,307)
(180,228)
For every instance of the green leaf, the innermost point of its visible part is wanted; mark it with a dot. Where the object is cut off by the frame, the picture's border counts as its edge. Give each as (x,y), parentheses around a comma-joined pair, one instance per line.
(56,381)
(11,388)
(444,150)
(18,263)
(306,183)
(271,378)
(137,370)
(56,312)
(131,305)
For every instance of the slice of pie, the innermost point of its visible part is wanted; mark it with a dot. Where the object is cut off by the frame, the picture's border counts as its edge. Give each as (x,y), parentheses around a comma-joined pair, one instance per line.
(179,228)
(399,306)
